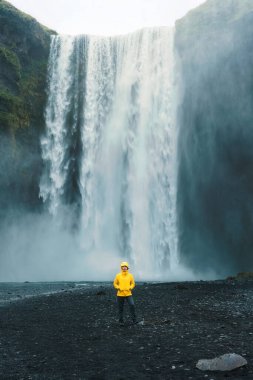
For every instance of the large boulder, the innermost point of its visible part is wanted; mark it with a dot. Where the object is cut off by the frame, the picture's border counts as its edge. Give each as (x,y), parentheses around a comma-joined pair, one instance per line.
(226,362)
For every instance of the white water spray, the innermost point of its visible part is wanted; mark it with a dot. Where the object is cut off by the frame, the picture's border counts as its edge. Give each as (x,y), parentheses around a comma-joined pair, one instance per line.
(53,148)
(127,177)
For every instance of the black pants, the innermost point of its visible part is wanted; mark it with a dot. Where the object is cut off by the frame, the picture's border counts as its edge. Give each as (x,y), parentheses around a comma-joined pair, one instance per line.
(130,301)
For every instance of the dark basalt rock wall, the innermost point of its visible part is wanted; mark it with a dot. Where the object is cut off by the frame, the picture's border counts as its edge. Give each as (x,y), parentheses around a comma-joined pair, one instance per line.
(214,44)
(24,50)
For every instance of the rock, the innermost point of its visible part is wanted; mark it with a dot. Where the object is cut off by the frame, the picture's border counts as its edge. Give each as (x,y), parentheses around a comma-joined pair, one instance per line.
(101,293)
(230,278)
(241,276)
(226,27)
(166,321)
(244,276)
(24,50)
(226,362)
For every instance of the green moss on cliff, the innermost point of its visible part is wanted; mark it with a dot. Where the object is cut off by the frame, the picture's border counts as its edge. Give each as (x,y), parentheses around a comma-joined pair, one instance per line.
(24,50)
(13,112)
(17,111)
(32,90)
(11,59)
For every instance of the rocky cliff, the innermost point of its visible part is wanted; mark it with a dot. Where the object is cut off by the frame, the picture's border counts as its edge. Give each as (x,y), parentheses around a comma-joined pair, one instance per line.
(24,49)
(214,44)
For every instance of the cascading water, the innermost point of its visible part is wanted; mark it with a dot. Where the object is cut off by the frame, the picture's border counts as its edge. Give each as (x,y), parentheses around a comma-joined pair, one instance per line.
(110,145)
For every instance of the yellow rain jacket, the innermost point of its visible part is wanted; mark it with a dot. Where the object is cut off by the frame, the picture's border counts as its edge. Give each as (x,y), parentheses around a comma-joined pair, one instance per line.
(124,283)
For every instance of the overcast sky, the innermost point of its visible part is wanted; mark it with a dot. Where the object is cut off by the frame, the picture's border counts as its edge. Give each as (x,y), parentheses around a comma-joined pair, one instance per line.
(105,17)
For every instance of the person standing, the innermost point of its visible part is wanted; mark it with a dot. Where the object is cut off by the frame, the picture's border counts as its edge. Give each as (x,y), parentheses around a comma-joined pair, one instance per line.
(124,283)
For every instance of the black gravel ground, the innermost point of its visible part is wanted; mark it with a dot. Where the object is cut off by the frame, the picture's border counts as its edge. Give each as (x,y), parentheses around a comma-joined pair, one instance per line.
(74,334)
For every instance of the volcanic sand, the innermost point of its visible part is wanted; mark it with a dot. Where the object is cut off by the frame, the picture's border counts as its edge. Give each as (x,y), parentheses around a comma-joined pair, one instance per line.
(74,334)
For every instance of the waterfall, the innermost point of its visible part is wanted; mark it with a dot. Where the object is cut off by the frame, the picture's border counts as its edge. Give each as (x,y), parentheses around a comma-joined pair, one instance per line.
(109,149)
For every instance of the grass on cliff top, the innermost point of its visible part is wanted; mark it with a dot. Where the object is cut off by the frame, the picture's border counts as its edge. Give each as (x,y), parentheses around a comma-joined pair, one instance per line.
(7,8)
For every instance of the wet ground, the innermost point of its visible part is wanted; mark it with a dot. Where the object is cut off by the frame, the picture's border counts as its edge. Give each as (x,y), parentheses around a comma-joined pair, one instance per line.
(73,333)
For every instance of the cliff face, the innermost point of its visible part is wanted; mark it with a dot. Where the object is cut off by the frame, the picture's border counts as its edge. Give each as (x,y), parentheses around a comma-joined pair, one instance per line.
(24,50)
(214,44)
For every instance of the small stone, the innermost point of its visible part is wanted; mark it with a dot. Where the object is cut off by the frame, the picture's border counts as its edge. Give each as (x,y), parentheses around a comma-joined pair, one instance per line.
(101,293)
(226,362)
(173,367)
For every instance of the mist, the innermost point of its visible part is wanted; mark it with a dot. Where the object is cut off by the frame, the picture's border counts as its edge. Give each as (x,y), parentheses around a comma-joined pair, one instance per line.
(35,248)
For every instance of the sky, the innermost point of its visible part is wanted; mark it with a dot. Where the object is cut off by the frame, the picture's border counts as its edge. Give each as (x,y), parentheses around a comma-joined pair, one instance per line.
(105,17)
